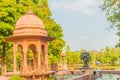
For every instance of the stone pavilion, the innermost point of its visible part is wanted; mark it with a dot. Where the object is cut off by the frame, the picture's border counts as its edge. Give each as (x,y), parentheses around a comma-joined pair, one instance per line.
(30,33)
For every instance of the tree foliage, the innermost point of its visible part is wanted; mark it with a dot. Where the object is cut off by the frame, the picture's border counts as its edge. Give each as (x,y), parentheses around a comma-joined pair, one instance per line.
(12,10)
(73,58)
(112,9)
(108,56)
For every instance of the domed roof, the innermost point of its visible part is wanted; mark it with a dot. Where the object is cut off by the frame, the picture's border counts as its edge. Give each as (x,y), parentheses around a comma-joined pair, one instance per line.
(29,20)
(29,24)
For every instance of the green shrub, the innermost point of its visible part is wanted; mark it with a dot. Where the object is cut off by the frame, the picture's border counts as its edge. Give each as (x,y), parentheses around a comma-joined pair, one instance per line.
(15,77)
(51,78)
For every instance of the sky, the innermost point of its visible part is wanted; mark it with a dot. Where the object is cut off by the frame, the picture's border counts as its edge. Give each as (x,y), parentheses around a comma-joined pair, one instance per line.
(84,24)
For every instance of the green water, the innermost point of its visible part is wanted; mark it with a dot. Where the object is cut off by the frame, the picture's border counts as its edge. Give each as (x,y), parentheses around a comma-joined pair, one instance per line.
(103,77)
(108,77)
(66,77)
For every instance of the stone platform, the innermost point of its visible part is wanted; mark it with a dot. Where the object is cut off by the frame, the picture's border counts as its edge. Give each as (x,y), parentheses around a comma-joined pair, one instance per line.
(4,78)
(37,76)
(85,70)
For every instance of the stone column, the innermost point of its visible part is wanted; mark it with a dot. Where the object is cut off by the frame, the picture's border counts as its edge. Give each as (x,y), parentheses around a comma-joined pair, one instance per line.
(21,66)
(24,62)
(35,59)
(38,57)
(46,57)
(14,55)
(24,59)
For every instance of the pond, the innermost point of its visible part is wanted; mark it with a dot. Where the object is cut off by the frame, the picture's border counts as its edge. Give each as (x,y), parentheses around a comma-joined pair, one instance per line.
(108,77)
(66,77)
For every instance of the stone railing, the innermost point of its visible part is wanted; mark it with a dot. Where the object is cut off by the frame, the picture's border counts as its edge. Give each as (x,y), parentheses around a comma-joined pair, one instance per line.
(111,71)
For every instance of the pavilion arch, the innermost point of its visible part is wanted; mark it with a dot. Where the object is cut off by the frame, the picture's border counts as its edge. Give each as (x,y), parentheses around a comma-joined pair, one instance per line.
(19,45)
(43,48)
(42,54)
(31,57)
(32,47)
(19,48)
(19,53)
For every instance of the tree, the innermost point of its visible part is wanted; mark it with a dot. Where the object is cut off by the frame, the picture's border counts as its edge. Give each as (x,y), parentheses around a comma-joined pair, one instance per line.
(12,10)
(112,9)
(73,58)
(6,27)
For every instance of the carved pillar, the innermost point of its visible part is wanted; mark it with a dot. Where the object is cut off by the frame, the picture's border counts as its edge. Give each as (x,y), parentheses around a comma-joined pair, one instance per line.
(34,61)
(38,57)
(46,57)
(14,55)
(21,66)
(43,57)
(24,59)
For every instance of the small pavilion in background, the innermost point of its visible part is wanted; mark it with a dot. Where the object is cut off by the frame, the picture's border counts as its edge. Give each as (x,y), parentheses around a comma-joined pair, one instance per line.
(30,33)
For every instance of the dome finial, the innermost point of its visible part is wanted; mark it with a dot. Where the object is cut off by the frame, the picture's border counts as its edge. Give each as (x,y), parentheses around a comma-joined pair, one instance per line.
(29,7)
(29,10)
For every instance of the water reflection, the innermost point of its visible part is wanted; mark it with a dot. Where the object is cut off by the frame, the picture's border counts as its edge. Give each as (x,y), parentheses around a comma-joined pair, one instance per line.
(66,77)
(108,77)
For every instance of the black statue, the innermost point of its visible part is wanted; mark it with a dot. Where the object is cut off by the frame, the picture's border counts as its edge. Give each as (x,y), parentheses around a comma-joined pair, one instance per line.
(85,56)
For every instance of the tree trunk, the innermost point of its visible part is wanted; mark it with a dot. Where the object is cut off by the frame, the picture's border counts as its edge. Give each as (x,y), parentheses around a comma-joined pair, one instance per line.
(3,58)
(3,52)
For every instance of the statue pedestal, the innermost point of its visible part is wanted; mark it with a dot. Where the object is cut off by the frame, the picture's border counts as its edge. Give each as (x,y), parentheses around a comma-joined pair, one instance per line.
(64,67)
(86,70)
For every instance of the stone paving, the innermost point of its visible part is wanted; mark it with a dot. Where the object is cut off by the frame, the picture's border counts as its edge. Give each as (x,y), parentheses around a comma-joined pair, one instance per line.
(4,78)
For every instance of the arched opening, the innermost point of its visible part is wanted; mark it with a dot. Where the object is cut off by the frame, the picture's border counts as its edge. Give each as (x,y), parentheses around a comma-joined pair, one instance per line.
(42,55)
(19,57)
(31,57)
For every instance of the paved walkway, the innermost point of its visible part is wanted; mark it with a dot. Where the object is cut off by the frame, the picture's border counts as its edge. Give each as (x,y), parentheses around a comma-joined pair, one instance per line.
(4,78)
